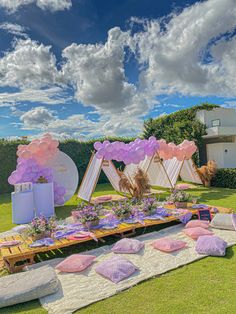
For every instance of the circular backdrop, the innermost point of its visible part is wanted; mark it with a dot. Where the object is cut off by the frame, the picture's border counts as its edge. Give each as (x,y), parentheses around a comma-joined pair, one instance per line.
(65,173)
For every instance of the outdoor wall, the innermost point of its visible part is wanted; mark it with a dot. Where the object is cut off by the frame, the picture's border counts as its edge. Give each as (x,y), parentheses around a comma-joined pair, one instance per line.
(215,152)
(227,117)
(223,153)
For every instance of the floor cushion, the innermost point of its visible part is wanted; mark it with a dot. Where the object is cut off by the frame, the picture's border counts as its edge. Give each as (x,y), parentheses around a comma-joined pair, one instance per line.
(127,246)
(27,286)
(195,233)
(168,245)
(197,223)
(116,268)
(224,221)
(211,245)
(75,263)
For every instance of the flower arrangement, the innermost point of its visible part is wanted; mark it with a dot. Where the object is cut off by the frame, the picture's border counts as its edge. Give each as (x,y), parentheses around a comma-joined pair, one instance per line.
(123,209)
(41,227)
(180,198)
(149,206)
(88,215)
(42,179)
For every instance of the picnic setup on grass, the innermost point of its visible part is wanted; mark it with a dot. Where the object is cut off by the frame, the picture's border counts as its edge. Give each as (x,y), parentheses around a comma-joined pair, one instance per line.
(45,178)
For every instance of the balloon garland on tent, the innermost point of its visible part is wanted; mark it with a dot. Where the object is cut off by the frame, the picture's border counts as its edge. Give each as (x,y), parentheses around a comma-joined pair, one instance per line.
(136,151)
(31,164)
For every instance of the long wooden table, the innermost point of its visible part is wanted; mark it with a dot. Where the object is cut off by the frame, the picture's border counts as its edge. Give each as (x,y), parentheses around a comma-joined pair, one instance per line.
(25,255)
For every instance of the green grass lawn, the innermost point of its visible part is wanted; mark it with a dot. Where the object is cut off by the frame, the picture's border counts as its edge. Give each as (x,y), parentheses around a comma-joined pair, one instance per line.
(205,286)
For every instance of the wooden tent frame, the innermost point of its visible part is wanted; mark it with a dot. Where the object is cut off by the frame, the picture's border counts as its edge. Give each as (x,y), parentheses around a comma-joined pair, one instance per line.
(104,163)
(181,167)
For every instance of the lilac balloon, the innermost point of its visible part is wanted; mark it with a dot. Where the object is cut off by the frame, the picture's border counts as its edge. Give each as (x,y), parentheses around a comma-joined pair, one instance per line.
(98,155)
(60,201)
(97,145)
(61,191)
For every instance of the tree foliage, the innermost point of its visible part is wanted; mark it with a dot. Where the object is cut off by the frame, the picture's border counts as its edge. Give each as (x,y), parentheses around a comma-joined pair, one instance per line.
(177,126)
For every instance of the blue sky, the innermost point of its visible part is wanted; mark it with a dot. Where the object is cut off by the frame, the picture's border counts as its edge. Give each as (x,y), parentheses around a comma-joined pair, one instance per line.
(91,68)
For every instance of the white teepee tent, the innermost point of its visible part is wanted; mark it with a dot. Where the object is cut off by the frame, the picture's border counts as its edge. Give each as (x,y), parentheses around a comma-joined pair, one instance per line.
(186,169)
(92,174)
(155,170)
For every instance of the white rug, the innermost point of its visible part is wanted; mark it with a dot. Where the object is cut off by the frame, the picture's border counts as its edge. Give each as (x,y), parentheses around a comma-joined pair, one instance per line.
(81,289)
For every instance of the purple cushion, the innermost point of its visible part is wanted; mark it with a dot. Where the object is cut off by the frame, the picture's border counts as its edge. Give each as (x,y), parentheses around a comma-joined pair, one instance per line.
(127,246)
(211,245)
(116,268)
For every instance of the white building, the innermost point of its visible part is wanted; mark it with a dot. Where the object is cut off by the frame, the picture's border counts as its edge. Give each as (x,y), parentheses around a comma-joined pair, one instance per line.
(220,141)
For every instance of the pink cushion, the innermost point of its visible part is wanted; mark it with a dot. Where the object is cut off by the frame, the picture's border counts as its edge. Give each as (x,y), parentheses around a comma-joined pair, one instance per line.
(116,268)
(168,245)
(104,198)
(195,233)
(75,263)
(127,246)
(197,223)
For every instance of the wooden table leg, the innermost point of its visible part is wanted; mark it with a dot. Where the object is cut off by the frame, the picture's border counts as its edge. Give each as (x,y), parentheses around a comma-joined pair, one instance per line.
(127,233)
(10,263)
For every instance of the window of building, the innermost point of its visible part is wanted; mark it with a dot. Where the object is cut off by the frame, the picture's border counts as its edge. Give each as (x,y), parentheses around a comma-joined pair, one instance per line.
(215,122)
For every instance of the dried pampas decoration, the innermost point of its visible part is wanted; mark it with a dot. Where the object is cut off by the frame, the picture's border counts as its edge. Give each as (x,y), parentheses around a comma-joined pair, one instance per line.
(124,183)
(140,184)
(207,172)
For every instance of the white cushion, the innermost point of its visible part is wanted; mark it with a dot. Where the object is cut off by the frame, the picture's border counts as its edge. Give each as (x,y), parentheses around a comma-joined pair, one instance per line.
(223,221)
(27,286)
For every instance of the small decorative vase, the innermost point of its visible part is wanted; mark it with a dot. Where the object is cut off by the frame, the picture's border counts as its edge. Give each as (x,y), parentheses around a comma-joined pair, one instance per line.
(149,212)
(181,204)
(42,235)
(125,216)
(93,223)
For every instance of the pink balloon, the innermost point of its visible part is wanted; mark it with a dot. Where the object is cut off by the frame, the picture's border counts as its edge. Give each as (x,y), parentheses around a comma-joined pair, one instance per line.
(43,145)
(33,147)
(25,154)
(54,143)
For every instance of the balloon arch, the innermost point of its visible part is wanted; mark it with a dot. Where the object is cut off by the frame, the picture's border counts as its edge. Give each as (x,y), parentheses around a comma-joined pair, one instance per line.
(136,151)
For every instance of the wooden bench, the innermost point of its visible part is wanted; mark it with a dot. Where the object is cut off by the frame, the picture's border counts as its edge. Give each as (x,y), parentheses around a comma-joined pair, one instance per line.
(24,255)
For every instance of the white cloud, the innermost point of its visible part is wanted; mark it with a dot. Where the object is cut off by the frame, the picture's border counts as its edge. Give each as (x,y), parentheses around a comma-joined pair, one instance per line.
(187,53)
(78,125)
(29,64)
(52,5)
(14,29)
(97,72)
(49,96)
(174,56)
(37,118)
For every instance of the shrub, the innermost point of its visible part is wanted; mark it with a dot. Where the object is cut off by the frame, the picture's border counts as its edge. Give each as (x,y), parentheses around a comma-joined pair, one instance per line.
(225,178)
(178,126)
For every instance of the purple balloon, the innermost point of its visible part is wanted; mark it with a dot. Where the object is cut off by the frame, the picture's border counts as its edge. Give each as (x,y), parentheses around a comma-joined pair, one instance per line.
(60,201)
(97,145)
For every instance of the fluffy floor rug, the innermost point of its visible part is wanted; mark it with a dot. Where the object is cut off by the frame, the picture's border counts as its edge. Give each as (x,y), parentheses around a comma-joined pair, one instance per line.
(81,289)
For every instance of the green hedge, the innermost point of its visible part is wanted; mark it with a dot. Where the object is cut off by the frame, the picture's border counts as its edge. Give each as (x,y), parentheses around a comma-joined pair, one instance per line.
(80,153)
(225,178)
